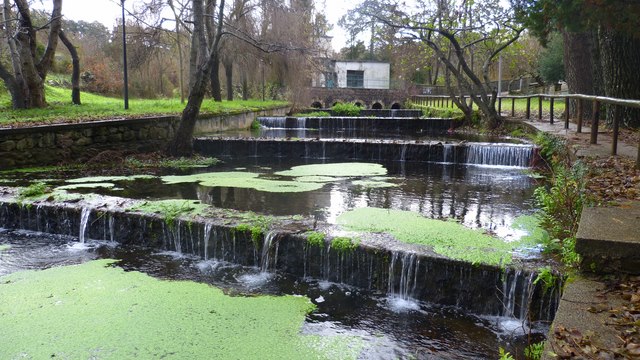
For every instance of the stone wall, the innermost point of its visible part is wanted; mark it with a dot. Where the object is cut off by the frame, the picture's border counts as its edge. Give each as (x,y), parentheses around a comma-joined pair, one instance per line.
(52,144)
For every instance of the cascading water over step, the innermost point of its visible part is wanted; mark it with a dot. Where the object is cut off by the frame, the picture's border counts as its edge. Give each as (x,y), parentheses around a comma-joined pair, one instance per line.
(481,289)
(514,155)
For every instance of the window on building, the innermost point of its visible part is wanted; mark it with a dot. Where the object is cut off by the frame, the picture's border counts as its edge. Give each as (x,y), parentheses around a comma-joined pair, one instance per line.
(355,78)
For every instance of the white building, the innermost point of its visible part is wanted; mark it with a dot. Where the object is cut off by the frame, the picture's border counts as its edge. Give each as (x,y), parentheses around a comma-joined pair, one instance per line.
(354,74)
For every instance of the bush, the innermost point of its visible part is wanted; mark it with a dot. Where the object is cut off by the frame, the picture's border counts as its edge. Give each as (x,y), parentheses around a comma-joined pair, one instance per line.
(345,110)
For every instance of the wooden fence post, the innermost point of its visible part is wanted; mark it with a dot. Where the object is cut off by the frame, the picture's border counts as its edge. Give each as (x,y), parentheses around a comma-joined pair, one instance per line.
(513,107)
(499,106)
(579,115)
(617,115)
(528,115)
(594,123)
(551,110)
(567,112)
(540,107)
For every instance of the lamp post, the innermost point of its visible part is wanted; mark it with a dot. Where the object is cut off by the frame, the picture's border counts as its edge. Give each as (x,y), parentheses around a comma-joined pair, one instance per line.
(124,60)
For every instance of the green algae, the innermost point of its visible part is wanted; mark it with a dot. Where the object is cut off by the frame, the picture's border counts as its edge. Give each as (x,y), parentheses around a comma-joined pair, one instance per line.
(35,190)
(530,224)
(245,180)
(336,170)
(105,179)
(4,247)
(171,209)
(446,238)
(96,310)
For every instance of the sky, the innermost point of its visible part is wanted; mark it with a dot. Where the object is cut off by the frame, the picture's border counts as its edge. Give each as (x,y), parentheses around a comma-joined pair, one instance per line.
(108,12)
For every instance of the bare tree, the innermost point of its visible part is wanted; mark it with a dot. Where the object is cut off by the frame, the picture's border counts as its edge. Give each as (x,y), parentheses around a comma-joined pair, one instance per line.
(461,33)
(25,80)
(205,42)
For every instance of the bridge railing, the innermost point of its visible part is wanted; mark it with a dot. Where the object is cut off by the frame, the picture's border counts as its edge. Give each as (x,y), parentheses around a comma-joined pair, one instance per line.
(581,102)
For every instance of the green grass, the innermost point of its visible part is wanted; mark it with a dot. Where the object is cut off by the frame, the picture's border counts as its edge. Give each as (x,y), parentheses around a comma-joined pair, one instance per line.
(96,107)
(520,107)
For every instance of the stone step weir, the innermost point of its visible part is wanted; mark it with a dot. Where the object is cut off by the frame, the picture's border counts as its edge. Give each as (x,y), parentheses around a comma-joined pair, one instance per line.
(401,270)
(370,125)
(494,154)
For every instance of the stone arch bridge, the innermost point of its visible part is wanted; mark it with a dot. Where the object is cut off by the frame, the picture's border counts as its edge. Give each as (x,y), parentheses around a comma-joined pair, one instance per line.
(323,98)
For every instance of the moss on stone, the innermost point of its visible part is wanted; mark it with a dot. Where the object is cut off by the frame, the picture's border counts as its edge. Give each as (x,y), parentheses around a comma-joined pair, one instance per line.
(171,209)
(446,238)
(343,244)
(96,310)
(315,238)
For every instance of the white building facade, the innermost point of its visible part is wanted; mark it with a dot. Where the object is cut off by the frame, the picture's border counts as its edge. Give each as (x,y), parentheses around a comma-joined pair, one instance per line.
(354,74)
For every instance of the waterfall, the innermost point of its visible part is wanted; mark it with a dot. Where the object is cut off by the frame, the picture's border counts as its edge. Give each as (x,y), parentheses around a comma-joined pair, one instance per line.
(276,122)
(266,246)
(403,152)
(499,154)
(516,288)
(409,266)
(448,153)
(207,235)
(84,219)
(112,228)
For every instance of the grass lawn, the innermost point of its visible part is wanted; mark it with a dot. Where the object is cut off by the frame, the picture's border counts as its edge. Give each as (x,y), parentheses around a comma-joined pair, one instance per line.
(96,107)
(520,107)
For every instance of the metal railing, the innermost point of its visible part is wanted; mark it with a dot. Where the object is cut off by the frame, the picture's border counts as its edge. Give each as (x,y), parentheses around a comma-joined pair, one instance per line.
(596,102)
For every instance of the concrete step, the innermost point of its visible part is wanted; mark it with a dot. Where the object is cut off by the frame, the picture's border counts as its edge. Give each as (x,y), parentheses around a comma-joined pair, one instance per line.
(608,239)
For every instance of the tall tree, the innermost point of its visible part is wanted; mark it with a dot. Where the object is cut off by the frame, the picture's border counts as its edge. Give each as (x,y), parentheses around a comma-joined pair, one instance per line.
(600,35)
(29,66)
(206,41)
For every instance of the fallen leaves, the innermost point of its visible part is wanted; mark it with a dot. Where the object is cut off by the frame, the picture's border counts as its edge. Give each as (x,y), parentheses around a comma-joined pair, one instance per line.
(613,179)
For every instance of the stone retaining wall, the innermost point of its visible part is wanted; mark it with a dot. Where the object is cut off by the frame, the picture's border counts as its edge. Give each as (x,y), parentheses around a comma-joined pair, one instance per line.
(52,144)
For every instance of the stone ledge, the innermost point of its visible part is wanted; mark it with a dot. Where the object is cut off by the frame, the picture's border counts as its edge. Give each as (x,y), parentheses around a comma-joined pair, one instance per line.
(608,239)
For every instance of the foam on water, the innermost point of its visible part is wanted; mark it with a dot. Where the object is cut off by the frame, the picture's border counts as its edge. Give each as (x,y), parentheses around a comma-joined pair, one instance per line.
(400,305)
(255,280)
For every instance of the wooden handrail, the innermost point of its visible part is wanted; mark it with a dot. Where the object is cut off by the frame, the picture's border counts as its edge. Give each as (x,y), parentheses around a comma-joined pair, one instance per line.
(595,100)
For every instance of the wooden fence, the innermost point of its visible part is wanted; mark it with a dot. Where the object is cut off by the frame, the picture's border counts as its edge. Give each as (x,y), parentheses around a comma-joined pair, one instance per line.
(595,102)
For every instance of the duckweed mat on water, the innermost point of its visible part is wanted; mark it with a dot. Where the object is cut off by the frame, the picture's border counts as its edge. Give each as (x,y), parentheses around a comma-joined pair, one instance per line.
(99,311)
(447,238)
(336,169)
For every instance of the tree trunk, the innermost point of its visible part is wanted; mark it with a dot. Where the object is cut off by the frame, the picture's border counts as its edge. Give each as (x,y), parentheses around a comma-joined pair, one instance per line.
(228,72)
(75,73)
(579,66)
(216,91)
(182,144)
(620,55)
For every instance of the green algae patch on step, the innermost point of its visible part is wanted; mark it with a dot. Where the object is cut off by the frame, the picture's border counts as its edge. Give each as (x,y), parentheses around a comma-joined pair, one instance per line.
(533,233)
(97,310)
(245,180)
(447,238)
(336,170)
(104,179)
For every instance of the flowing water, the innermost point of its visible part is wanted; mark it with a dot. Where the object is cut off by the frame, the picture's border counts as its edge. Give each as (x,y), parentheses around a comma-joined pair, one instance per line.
(392,325)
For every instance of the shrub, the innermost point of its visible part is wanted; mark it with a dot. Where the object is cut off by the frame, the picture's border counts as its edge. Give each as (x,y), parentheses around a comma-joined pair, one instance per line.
(345,110)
